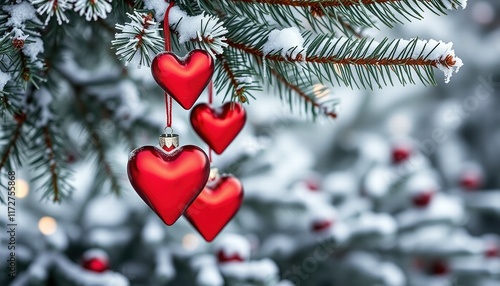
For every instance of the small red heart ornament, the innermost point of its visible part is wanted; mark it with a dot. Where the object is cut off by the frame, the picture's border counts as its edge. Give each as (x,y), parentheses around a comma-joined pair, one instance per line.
(218,127)
(168,181)
(183,79)
(215,206)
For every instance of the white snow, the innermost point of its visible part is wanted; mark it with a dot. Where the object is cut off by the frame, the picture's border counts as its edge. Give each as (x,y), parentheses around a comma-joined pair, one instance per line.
(441,209)
(422,182)
(209,276)
(378,181)
(164,264)
(231,244)
(105,211)
(340,183)
(4,78)
(368,223)
(190,27)
(369,265)
(438,240)
(20,13)
(159,6)
(95,253)
(33,49)
(43,99)
(288,41)
(153,231)
(259,270)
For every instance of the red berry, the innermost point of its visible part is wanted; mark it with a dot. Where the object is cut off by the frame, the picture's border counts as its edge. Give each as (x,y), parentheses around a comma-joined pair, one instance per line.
(401,153)
(95,265)
(321,225)
(471,181)
(492,251)
(222,257)
(439,268)
(95,260)
(313,184)
(423,199)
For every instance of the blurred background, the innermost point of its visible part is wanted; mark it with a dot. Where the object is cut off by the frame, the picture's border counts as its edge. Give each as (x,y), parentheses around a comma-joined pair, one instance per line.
(403,188)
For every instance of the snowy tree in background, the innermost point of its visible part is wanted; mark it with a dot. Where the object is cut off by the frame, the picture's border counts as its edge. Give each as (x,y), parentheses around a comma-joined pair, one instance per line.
(399,190)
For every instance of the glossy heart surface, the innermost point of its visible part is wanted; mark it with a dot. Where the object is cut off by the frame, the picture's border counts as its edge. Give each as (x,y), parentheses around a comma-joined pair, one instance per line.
(215,206)
(183,79)
(168,181)
(218,127)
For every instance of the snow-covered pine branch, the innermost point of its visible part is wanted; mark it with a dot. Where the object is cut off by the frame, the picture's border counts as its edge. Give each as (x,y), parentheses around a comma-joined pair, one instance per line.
(139,40)
(53,8)
(93,9)
(365,13)
(203,30)
(21,44)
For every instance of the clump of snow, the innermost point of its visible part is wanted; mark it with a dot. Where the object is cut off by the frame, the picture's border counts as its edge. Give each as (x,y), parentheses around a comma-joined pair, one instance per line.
(43,99)
(106,211)
(367,223)
(190,27)
(378,181)
(260,270)
(4,78)
(33,48)
(234,244)
(153,232)
(340,183)
(95,253)
(19,14)
(209,276)
(386,272)
(131,106)
(159,6)
(422,182)
(288,41)
(441,209)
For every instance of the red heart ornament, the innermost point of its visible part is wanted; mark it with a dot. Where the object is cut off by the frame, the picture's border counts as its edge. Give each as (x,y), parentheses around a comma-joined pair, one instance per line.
(168,181)
(215,206)
(218,127)
(184,79)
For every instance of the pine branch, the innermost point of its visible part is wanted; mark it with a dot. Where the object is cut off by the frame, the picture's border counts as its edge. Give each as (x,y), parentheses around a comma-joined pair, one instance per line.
(305,96)
(13,140)
(52,162)
(359,13)
(234,77)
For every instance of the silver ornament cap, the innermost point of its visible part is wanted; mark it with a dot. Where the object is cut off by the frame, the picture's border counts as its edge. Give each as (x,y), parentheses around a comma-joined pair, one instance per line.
(169,141)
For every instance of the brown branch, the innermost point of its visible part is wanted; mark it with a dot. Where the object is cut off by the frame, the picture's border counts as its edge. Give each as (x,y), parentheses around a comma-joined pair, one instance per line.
(448,61)
(302,94)
(17,133)
(52,163)
(238,90)
(317,4)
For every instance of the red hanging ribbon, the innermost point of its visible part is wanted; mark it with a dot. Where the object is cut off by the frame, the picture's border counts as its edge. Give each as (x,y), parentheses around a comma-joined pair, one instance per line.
(210,98)
(168,48)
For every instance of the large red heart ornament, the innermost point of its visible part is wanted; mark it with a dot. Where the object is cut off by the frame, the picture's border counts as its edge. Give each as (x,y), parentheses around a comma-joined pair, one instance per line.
(218,127)
(215,206)
(168,181)
(183,79)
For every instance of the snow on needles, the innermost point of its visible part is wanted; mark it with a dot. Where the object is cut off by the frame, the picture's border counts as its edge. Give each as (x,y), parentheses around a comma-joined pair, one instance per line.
(289,42)
(190,27)
(19,14)
(4,78)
